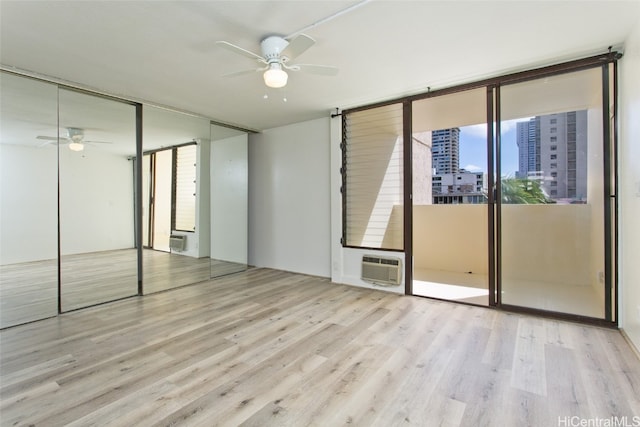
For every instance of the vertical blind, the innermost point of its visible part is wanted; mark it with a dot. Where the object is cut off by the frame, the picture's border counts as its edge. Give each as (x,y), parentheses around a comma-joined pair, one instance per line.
(373,178)
(185,188)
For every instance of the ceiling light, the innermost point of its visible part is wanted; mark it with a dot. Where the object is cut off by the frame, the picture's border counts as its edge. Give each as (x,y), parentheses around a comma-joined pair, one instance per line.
(76,146)
(275,76)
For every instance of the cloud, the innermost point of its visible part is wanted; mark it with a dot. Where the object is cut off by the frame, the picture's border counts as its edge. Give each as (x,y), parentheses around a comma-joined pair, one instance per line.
(507,125)
(476,130)
(480,130)
(473,168)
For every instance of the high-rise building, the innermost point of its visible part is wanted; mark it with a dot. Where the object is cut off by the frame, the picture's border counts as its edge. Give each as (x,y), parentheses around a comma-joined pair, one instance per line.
(445,145)
(552,149)
(450,183)
(528,141)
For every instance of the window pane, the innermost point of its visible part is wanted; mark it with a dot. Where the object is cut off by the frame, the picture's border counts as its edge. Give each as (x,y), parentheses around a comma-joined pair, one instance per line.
(162,200)
(373,166)
(185,196)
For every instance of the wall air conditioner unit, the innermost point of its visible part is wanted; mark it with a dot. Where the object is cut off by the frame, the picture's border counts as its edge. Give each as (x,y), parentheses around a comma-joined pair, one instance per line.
(177,243)
(381,270)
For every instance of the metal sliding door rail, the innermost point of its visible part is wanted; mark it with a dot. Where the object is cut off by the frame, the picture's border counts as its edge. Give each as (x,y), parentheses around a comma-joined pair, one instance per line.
(138,199)
(498,200)
(407,132)
(491,202)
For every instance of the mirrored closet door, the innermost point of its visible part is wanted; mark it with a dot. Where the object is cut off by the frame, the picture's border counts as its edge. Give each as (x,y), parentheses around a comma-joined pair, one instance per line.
(229,201)
(28,200)
(96,140)
(175,199)
(69,168)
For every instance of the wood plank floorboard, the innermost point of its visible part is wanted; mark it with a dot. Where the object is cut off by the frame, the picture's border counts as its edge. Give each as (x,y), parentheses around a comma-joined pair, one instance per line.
(272,348)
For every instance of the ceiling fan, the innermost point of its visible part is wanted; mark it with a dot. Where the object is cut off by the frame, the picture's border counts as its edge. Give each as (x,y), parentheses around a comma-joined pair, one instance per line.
(277,52)
(74,137)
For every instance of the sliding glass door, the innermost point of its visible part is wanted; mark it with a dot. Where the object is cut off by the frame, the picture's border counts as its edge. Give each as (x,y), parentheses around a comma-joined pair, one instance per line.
(541,234)
(450,210)
(552,194)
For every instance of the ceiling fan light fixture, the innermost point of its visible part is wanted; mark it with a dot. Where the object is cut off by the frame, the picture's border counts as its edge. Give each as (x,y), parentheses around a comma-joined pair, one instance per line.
(275,76)
(76,146)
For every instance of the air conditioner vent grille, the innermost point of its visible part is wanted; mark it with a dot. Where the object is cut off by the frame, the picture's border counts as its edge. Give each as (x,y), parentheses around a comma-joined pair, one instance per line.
(381,270)
(177,242)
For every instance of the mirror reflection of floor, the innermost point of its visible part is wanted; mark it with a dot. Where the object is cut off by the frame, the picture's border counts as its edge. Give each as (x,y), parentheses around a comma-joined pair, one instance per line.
(162,270)
(29,291)
(222,268)
(582,300)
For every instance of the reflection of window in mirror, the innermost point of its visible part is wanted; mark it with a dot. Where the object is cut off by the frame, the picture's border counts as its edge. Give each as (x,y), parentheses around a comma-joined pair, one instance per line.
(171,199)
(184,189)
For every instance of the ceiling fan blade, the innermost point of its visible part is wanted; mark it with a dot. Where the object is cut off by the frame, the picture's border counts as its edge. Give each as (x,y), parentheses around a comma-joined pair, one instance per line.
(51,140)
(298,45)
(237,49)
(243,72)
(323,70)
(97,142)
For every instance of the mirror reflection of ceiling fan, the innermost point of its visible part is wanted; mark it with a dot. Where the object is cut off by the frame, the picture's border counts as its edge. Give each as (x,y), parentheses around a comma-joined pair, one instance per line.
(74,137)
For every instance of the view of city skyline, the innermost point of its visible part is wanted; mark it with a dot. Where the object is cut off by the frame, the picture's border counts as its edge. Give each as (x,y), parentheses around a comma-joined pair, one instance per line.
(473,148)
(548,149)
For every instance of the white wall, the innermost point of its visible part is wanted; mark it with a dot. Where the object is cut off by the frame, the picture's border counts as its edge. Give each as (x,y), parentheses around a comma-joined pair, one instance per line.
(96,202)
(229,197)
(289,214)
(28,204)
(629,187)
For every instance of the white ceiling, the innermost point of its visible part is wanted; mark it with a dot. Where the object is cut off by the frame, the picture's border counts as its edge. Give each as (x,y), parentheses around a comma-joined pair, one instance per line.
(164,52)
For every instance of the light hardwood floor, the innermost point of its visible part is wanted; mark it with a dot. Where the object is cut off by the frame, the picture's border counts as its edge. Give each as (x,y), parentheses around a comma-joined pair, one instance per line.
(269,348)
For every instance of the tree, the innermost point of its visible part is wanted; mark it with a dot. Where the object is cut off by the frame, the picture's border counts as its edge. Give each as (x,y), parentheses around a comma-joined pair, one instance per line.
(523,191)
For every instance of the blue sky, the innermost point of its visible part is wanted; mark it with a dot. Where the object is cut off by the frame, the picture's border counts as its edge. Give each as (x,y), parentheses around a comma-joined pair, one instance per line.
(473,147)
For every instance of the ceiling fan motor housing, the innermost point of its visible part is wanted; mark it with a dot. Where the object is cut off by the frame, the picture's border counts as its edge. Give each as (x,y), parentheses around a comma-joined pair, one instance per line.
(75,134)
(272,47)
